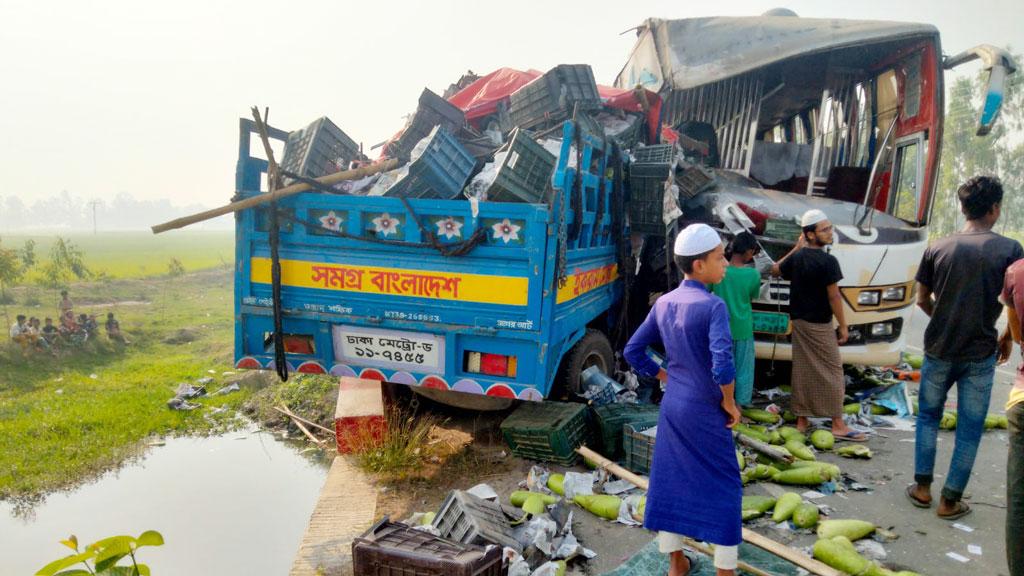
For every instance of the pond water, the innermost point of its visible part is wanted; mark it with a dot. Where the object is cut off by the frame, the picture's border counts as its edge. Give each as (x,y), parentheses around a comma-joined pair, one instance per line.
(231,504)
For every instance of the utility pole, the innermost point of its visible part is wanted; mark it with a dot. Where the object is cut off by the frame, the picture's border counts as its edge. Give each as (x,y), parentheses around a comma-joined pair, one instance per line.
(94,204)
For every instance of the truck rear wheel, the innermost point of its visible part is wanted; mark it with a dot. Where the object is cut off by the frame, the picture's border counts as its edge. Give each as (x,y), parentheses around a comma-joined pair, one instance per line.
(593,349)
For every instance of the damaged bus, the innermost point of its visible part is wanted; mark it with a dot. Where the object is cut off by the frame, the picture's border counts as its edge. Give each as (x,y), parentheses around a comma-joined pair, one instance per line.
(795,113)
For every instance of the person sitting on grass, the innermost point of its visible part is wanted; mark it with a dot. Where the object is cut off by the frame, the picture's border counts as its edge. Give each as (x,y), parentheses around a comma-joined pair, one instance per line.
(36,335)
(49,332)
(695,489)
(114,329)
(19,333)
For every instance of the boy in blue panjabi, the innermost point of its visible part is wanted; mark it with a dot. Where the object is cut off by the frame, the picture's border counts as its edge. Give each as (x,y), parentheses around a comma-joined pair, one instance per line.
(695,489)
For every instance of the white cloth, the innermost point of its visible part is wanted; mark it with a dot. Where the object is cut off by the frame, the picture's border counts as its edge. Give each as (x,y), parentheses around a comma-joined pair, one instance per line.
(726,557)
(696,239)
(17,330)
(812,217)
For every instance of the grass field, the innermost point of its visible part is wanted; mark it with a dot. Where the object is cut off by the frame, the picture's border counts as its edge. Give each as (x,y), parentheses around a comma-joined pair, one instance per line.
(139,254)
(65,418)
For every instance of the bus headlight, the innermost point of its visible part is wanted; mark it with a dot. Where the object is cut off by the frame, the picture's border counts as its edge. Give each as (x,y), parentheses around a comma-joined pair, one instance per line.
(869,297)
(894,293)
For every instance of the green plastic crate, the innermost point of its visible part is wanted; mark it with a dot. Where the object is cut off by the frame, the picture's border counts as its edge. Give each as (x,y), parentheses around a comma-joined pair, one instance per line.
(547,431)
(610,418)
(639,448)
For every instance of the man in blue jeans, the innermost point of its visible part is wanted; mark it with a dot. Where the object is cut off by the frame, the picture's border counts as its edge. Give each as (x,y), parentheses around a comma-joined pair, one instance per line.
(958,287)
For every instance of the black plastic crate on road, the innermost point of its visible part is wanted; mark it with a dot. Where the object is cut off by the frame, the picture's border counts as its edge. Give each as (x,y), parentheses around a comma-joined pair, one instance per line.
(647,182)
(639,447)
(547,431)
(393,549)
(469,519)
(318,150)
(432,111)
(554,96)
(610,418)
(525,174)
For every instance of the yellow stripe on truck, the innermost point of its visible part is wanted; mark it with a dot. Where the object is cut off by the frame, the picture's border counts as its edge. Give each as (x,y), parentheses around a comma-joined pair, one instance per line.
(432,284)
(582,281)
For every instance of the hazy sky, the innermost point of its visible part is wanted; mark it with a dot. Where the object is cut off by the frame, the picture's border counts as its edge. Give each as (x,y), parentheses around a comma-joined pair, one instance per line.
(102,97)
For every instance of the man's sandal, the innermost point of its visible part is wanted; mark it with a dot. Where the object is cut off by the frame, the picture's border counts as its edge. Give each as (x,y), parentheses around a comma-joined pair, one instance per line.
(917,502)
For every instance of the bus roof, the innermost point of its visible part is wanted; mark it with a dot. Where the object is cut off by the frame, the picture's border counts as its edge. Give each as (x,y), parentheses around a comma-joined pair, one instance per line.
(681,54)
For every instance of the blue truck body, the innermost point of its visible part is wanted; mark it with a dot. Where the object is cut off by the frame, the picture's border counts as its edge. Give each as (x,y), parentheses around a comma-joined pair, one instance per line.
(381,302)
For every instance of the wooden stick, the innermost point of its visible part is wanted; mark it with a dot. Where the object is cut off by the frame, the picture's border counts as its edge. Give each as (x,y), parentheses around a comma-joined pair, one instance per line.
(287,412)
(275,195)
(781,550)
(306,431)
(766,449)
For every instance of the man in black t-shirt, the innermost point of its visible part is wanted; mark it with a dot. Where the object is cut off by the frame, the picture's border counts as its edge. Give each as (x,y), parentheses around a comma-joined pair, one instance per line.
(958,287)
(813,273)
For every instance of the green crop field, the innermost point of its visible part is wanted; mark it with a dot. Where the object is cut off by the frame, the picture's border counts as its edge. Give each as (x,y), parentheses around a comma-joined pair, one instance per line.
(138,254)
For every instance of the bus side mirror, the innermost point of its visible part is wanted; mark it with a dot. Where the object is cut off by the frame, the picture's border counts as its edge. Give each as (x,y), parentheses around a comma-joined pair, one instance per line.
(999,64)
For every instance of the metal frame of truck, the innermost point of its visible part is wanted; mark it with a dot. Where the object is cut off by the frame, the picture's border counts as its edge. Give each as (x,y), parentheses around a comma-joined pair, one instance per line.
(429,311)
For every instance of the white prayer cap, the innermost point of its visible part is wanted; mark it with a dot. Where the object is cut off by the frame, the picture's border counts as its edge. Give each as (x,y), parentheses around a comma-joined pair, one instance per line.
(696,239)
(812,217)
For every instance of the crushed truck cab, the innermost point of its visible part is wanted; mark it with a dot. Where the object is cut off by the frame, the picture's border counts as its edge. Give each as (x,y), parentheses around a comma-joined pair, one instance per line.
(477,297)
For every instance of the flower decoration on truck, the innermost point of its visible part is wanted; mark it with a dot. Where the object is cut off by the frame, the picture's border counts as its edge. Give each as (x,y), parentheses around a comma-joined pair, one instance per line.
(385,224)
(331,221)
(449,228)
(506,231)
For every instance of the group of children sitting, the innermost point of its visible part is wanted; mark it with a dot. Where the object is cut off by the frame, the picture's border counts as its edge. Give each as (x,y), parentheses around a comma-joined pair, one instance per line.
(31,335)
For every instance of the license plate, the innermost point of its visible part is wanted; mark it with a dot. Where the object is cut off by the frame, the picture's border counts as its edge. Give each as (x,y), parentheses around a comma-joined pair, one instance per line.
(412,351)
(771,322)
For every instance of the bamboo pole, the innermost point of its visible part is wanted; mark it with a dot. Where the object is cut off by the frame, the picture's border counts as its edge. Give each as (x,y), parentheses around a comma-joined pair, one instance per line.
(285,192)
(288,412)
(781,550)
(305,430)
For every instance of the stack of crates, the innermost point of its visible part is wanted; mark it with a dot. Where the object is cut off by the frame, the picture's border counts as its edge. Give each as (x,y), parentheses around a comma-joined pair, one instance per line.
(611,419)
(525,175)
(318,150)
(553,97)
(638,447)
(469,519)
(648,174)
(390,548)
(547,431)
(432,111)
(440,172)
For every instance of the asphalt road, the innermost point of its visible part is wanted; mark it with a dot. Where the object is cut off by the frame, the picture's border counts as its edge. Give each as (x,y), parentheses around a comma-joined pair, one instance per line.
(924,540)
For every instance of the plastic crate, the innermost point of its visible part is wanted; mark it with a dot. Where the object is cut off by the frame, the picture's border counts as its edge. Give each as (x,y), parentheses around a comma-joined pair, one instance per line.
(609,420)
(525,175)
(694,180)
(782,229)
(469,519)
(391,549)
(432,111)
(647,196)
(554,96)
(440,172)
(657,154)
(638,447)
(318,150)
(547,431)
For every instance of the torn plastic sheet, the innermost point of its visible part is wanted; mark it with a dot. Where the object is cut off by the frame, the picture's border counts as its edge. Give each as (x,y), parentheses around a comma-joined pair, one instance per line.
(629,510)
(618,487)
(577,484)
(480,183)
(484,492)
(895,398)
(537,480)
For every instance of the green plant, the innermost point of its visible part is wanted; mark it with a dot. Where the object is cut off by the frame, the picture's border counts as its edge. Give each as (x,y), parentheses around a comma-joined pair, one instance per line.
(401,447)
(67,262)
(175,268)
(104,556)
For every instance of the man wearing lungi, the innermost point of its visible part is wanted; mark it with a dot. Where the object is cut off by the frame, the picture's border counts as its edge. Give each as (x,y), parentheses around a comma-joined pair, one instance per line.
(814,299)
(695,487)
(958,286)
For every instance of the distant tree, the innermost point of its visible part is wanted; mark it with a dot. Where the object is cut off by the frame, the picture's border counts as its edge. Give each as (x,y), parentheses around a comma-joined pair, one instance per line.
(965,155)
(175,268)
(11,270)
(66,263)
(28,254)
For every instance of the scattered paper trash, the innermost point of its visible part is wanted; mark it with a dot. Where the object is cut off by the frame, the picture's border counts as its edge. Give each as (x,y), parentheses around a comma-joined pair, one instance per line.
(227,389)
(974,549)
(93,376)
(577,483)
(812,495)
(957,557)
(484,492)
(963,527)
